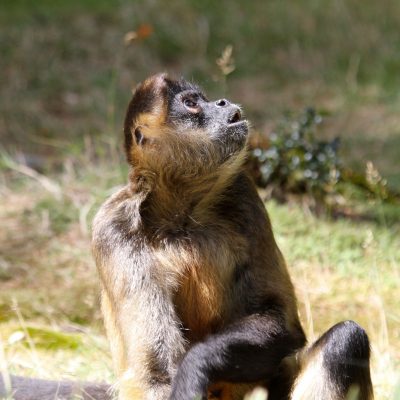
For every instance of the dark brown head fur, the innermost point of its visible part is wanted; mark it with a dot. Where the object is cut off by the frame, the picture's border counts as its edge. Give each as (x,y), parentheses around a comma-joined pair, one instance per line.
(172,131)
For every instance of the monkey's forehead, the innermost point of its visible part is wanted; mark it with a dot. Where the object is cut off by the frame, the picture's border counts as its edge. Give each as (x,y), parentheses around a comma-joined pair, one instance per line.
(155,96)
(176,86)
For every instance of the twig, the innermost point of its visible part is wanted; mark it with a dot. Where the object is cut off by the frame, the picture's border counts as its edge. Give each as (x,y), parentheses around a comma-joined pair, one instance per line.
(4,369)
(51,186)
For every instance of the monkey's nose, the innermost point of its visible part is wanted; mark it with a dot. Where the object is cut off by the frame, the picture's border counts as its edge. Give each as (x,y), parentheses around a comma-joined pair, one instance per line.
(236,116)
(222,103)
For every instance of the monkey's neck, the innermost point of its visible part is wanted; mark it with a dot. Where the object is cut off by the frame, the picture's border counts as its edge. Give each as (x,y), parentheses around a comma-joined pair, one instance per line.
(175,203)
(172,199)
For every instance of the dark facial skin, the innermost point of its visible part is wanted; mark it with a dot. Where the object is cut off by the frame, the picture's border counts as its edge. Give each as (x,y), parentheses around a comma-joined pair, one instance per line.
(190,109)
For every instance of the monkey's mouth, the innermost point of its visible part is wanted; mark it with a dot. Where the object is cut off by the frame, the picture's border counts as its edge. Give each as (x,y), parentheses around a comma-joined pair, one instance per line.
(237,125)
(236,117)
(241,123)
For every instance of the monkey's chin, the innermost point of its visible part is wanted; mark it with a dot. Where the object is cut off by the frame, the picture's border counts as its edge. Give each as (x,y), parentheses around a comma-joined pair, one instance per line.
(236,134)
(233,140)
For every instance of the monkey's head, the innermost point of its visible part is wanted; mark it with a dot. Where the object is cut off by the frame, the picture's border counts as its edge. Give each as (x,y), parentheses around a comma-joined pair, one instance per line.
(171,127)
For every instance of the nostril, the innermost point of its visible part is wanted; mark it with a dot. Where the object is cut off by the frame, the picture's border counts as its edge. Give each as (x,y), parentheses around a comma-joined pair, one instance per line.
(236,117)
(221,103)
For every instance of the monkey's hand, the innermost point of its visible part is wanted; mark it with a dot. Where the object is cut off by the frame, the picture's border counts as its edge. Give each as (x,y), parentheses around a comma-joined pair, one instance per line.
(191,380)
(249,350)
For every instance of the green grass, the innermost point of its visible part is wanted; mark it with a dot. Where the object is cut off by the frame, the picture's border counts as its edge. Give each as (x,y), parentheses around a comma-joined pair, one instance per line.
(346,270)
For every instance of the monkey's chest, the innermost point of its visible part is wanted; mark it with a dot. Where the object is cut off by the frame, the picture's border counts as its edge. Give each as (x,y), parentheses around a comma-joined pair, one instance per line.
(207,265)
(200,301)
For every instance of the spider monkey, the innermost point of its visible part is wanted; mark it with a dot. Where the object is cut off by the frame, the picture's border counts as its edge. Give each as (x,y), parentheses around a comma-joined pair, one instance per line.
(196,295)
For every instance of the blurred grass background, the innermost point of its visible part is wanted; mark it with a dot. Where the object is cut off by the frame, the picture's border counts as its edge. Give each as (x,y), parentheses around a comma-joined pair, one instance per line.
(67,69)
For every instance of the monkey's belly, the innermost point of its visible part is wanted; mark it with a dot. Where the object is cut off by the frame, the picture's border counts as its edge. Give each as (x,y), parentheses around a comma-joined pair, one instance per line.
(199,304)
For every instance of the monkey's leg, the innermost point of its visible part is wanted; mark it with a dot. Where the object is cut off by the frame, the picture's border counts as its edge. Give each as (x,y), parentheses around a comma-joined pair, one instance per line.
(145,341)
(249,350)
(336,366)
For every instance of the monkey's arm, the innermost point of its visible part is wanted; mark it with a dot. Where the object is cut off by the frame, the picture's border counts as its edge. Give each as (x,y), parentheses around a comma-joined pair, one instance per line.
(146,343)
(247,351)
(144,332)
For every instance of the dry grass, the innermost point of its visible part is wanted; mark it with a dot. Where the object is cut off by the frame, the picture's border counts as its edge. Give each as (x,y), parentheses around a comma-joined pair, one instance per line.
(342,270)
(346,270)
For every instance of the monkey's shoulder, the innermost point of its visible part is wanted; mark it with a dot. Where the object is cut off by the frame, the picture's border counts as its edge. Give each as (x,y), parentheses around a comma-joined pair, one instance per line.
(117,221)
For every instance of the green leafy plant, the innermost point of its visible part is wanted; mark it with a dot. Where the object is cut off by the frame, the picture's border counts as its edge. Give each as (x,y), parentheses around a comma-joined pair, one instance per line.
(295,160)
(48,338)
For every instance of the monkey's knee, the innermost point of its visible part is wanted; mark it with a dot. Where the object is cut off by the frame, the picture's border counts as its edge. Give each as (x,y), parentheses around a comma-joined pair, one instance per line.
(346,350)
(346,355)
(336,366)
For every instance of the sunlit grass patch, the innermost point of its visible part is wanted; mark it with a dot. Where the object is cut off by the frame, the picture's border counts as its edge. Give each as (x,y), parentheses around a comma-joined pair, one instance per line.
(346,270)
(56,352)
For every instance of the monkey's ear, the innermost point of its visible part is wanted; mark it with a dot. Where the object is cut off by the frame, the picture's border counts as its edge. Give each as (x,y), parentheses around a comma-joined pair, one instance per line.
(147,108)
(139,137)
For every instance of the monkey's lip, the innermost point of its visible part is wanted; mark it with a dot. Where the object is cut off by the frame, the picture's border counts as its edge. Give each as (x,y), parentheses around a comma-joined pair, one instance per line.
(239,126)
(240,122)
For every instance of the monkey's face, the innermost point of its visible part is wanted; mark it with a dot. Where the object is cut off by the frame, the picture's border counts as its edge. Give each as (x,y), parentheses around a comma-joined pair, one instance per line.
(219,122)
(172,123)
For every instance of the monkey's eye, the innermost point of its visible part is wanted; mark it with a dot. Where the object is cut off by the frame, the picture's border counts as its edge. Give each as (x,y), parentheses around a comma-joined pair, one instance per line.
(190,103)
